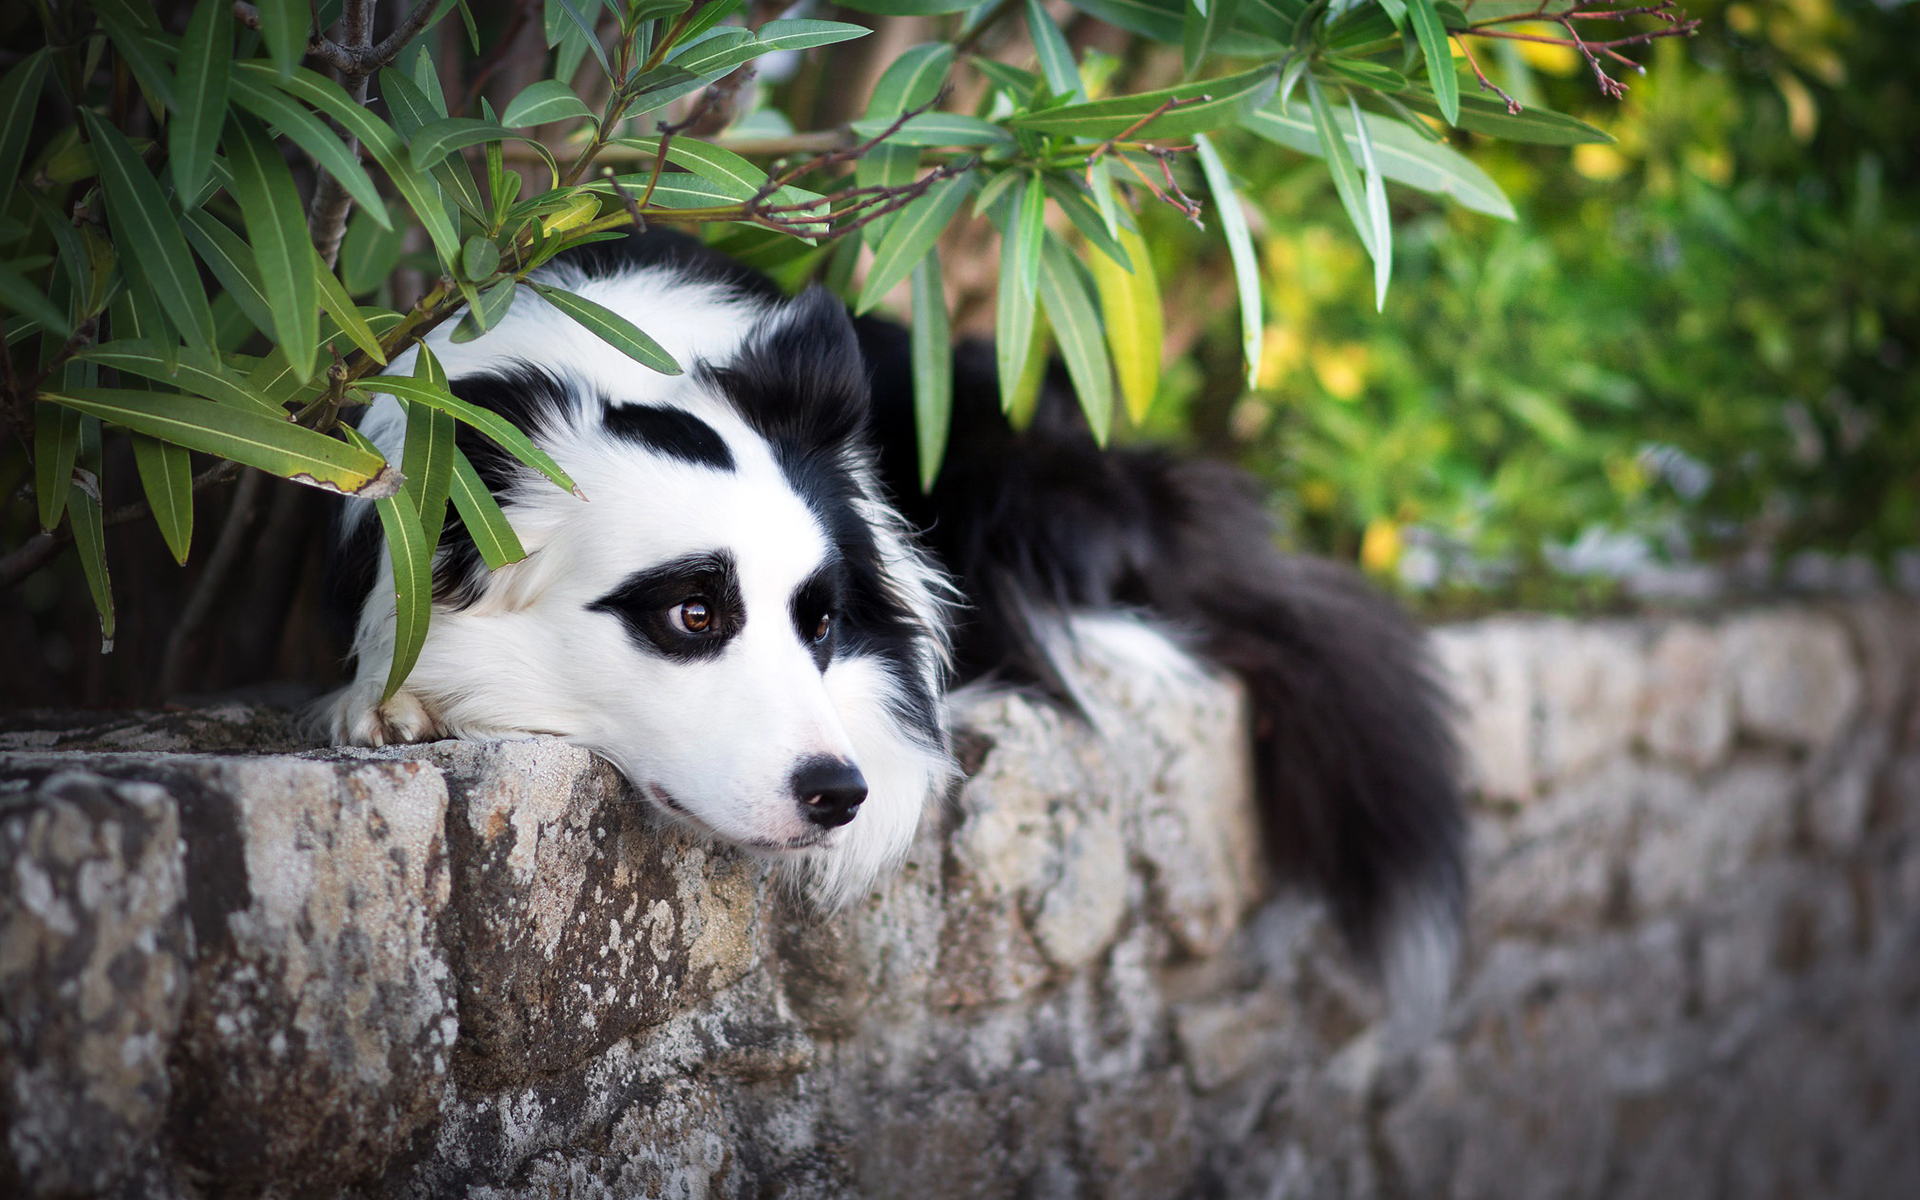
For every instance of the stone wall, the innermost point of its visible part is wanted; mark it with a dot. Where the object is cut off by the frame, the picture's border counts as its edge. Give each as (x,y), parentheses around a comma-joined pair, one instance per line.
(229,967)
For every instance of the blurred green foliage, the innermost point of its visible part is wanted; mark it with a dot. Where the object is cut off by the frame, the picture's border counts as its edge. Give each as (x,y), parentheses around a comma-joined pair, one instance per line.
(1693,345)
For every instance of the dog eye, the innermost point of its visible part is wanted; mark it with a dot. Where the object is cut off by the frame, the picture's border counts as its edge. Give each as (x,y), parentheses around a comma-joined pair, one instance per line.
(824,628)
(692,615)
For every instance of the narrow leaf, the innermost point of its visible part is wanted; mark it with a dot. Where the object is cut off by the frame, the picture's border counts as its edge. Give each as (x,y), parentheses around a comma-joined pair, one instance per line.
(126,24)
(618,332)
(1401,154)
(56,447)
(911,238)
(1439,55)
(1130,304)
(935,129)
(19,100)
(146,228)
(275,446)
(911,80)
(1019,280)
(84,512)
(283,27)
(932,351)
(411,556)
(196,372)
(1076,328)
(1536,125)
(253,92)
(547,100)
(1246,263)
(345,314)
(480,513)
(369,252)
(434,394)
(277,229)
(205,68)
(232,262)
(1376,209)
(435,140)
(1346,177)
(1209,104)
(1056,57)
(427,462)
(166,475)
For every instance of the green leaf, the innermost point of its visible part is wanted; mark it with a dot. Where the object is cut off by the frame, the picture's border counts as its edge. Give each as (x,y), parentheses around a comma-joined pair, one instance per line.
(1018,84)
(1376,209)
(283,27)
(547,100)
(1401,154)
(1246,263)
(1075,318)
(1439,55)
(806,34)
(253,92)
(494,303)
(411,556)
(1346,177)
(1056,57)
(205,66)
(89,528)
(197,372)
(369,252)
(19,100)
(277,447)
(1202,28)
(935,129)
(28,299)
(434,394)
(126,24)
(1130,305)
(1228,98)
(480,513)
(1021,237)
(890,166)
(585,28)
(479,258)
(909,8)
(146,228)
(738,178)
(612,328)
(232,263)
(911,80)
(345,314)
(932,355)
(1536,125)
(166,475)
(1367,74)
(911,237)
(437,139)
(1067,194)
(277,230)
(56,447)
(427,462)
(421,194)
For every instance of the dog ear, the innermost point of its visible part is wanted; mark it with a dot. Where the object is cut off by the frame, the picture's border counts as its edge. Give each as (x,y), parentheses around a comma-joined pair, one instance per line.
(800,378)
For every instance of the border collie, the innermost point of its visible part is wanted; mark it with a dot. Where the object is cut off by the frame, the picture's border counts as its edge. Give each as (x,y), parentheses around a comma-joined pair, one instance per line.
(756,615)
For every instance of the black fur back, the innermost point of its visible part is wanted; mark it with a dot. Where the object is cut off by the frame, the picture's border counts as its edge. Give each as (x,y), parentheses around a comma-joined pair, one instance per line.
(1356,764)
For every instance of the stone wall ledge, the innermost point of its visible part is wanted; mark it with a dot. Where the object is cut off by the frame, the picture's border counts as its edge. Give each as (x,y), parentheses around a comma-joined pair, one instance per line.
(233,967)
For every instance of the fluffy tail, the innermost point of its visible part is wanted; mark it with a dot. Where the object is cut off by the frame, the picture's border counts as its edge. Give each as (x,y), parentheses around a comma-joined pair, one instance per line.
(1356,762)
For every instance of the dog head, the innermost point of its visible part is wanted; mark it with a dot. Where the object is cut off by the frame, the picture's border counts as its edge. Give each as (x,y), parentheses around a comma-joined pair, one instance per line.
(734,617)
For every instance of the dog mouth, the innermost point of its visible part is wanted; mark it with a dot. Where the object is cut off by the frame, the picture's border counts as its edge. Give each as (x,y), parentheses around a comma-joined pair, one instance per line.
(809,841)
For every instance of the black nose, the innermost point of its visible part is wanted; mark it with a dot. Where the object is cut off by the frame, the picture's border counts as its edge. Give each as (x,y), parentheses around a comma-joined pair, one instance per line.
(829,790)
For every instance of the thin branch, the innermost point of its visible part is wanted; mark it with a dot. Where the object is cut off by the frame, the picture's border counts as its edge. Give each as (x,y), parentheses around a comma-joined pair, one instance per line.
(1513,106)
(40,549)
(327,215)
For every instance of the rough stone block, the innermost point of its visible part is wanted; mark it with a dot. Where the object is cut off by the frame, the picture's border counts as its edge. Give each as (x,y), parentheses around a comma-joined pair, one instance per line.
(581,918)
(1687,707)
(1795,679)
(1589,679)
(1489,669)
(1689,846)
(93,942)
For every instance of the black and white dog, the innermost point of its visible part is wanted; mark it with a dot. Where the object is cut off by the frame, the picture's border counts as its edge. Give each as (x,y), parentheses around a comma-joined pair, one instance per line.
(757,614)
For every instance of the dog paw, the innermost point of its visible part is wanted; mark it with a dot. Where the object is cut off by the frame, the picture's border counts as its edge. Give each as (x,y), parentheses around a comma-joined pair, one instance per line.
(356,716)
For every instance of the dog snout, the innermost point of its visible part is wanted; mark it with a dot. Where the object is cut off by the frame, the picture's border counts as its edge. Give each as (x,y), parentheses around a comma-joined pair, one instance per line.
(830,790)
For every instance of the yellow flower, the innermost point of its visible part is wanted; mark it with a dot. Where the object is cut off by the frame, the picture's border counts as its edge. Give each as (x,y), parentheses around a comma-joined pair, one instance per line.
(1380,547)
(1600,163)
(1341,370)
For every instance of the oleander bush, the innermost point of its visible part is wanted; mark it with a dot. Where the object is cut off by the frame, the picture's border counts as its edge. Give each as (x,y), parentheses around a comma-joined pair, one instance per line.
(224,219)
